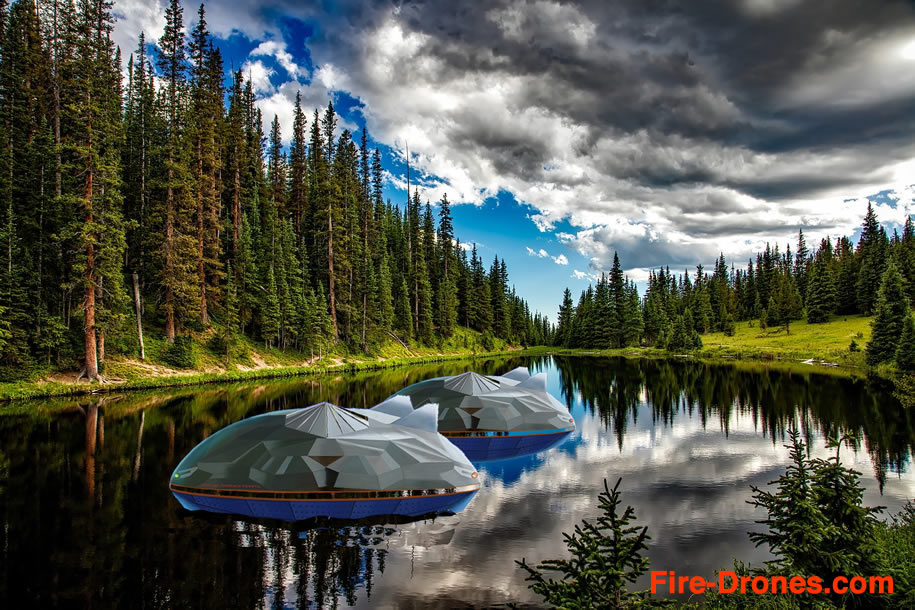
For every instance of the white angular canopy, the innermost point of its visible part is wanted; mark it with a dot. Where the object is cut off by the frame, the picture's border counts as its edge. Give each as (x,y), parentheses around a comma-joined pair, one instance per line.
(328,448)
(514,402)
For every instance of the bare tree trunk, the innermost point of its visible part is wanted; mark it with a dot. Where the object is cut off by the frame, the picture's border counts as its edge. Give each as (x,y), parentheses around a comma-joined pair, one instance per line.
(136,301)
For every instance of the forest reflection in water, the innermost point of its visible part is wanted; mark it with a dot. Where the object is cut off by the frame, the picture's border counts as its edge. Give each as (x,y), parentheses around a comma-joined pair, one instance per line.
(87,518)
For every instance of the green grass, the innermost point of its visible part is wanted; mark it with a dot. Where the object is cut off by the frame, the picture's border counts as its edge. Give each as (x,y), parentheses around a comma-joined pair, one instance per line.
(755,349)
(829,342)
(750,346)
(131,374)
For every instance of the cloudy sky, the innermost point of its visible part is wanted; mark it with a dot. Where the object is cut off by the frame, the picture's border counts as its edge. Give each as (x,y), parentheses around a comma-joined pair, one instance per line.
(667,131)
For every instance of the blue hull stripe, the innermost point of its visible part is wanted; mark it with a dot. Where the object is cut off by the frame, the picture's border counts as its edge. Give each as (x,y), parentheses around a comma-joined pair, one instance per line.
(487,448)
(299,510)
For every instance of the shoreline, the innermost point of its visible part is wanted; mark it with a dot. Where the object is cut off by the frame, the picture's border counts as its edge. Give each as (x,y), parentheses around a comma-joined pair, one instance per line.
(784,362)
(789,362)
(14,391)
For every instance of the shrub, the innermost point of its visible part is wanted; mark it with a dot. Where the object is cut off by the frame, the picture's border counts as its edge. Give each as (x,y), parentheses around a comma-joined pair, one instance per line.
(817,523)
(180,354)
(218,344)
(488,341)
(606,556)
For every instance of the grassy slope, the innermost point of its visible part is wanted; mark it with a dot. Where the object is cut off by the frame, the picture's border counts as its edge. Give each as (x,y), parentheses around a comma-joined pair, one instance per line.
(824,342)
(254,362)
(829,342)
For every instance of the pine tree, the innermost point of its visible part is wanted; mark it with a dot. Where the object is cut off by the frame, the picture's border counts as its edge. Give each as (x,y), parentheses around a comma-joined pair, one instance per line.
(801,265)
(322,322)
(906,260)
(403,319)
(501,323)
(177,251)
(871,252)
(272,317)
(384,282)
(327,216)
(905,352)
(606,557)
(632,326)
(564,320)
(229,329)
(890,312)
(23,203)
(702,306)
(784,303)
(206,108)
(98,229)
(816,521)
(298,168)
(480,306)
(447,310)
(680,338)
(141,126)
(235,155)
(617,297)
(821,296)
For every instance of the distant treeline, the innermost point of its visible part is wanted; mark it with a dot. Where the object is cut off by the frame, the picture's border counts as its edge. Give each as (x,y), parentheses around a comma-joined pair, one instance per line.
(875,277)
(164,187)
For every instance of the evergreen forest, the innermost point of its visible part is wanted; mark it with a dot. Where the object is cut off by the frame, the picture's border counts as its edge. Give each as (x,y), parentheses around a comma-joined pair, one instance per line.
(875,277)
(158,198)
(162,197)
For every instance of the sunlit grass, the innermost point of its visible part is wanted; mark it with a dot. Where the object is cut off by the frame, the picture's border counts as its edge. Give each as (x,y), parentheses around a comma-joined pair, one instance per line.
(829,341)
(252,360)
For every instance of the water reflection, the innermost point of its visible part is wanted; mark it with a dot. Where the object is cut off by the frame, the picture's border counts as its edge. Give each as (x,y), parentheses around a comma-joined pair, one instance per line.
(88,521)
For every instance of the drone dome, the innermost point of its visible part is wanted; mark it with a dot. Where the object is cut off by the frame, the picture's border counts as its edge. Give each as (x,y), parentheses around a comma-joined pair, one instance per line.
(490,417)
(325,460)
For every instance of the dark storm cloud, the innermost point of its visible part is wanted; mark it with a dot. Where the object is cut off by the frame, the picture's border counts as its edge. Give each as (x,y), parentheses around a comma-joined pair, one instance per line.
(666,130)
(711,70)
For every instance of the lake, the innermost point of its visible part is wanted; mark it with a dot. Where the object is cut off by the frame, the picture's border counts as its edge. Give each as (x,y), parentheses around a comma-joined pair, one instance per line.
(88,519)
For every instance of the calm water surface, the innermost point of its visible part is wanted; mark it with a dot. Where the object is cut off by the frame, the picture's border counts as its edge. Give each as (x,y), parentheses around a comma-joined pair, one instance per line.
(87,520)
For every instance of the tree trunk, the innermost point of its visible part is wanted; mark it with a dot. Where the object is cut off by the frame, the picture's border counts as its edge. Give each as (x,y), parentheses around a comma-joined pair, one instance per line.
(169,245)
(236,208)
(89,320)
(139,309)
(201,272)
(330,270)
(365,346)
(142,232)
(100,341)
